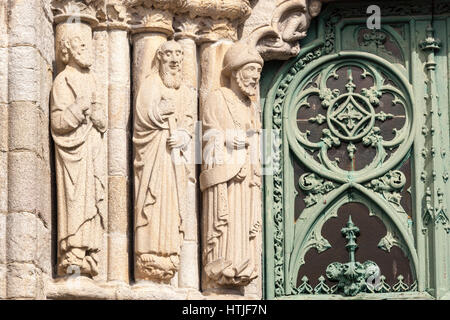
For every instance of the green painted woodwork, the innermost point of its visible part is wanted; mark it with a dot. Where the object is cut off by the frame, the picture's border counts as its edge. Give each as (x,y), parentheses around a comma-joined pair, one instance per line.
(353,276)
(406,60)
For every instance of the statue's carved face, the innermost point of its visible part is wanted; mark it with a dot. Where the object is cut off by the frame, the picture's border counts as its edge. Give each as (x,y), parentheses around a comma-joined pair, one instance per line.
(81,51)
(170,57)
(314,8)
(248,77)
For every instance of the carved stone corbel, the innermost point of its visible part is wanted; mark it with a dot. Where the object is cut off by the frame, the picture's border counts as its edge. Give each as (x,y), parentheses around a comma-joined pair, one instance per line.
(279,37)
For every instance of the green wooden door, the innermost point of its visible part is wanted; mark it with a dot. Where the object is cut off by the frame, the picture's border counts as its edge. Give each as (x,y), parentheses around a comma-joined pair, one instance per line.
(357,196)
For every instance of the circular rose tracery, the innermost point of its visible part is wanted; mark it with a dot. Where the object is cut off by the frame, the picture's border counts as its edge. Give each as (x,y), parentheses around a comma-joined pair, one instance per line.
(342,106)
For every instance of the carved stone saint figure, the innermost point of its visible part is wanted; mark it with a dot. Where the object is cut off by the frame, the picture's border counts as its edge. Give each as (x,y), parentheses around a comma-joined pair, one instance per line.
(163,129)
(77,124)
(231,176)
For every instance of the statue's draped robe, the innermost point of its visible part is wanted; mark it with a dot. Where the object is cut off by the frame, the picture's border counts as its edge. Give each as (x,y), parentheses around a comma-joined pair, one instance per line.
(230,182)
(80,183)
(158,224)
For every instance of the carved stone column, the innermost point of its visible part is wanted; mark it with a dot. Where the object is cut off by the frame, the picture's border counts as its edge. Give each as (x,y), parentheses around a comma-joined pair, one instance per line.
(216,36)
(119,148)
(188,275)
(26,55)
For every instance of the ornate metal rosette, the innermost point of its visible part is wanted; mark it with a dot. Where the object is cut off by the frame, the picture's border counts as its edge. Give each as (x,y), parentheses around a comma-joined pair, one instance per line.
(353,94)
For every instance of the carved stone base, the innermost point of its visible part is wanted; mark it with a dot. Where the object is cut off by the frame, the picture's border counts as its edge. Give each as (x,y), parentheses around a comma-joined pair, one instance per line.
(223,273)
(156,267)
(78,261)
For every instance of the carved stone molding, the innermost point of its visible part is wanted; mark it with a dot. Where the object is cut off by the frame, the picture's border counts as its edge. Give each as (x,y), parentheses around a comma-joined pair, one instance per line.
(229,9)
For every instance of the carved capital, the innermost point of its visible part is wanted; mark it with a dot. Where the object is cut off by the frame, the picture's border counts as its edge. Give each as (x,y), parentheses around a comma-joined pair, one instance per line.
(211,30)
(117,15)
(88,11)
(146,18)
(186,27)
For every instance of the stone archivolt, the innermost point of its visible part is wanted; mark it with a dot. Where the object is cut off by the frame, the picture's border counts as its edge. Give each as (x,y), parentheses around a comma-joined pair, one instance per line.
(217,47)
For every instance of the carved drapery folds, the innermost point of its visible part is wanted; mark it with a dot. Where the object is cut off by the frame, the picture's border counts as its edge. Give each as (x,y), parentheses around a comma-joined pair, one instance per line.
(162,133)
(78,125)
(231,175)
(166,86)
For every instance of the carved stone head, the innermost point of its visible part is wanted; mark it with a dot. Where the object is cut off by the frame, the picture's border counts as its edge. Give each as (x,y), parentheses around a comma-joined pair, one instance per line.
(243,64)
(247,78)
(170,59)
(75,45)
(314,8)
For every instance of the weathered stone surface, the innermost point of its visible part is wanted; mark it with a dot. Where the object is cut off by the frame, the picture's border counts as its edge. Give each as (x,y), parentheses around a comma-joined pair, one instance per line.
(43,258)
(188,275)
(25,126)
(3,24)
(24,22)
(3,182)
(24,281)
(118,152)
(23,181)
(22,238)
(2,238)
(191,217)
(118,233)
(24,74)
(119,106)
(3,75)
(2,281)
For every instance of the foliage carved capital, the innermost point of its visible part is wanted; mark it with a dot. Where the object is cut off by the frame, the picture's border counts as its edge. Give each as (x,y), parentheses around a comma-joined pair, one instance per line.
(88,11)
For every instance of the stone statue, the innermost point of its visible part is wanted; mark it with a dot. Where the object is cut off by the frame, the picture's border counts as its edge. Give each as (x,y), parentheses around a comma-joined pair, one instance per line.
(163,129)
(231,176)
(78,124)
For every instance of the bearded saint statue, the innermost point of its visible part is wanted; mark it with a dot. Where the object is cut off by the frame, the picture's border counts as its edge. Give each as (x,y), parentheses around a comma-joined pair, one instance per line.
(163,129)
(78,123)
(231,176)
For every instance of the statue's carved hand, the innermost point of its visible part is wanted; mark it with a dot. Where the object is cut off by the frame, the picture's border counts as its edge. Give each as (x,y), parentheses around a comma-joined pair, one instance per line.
(98,118)
(84,105)
(237,142)
(166,109)
(179,139)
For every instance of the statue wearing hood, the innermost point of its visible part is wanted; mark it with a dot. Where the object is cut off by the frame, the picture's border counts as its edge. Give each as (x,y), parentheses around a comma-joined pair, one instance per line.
(231,175)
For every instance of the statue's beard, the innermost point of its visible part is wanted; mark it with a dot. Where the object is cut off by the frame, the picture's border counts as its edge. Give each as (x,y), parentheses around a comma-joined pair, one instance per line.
(83,61)
(248,89)
(170,79)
